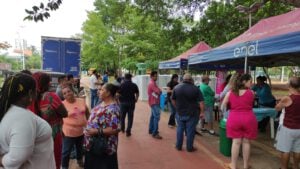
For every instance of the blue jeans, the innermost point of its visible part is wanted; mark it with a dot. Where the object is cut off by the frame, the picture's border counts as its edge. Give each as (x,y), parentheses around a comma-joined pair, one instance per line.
(154,119)
(94,97)
(172,115)
(68,144)
(186,123)
(127,108)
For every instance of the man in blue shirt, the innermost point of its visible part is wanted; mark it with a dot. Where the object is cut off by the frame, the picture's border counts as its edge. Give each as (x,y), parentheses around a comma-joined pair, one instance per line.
(105,77)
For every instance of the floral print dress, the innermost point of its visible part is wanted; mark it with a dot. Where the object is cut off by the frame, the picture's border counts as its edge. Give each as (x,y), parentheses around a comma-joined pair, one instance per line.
(103,116)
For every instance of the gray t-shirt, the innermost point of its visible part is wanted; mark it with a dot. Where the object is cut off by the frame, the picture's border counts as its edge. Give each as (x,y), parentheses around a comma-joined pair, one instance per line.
(25,141)
(187,97)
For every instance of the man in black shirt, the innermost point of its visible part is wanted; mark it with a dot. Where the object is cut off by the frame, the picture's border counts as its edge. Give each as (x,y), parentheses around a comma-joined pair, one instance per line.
(189,104)
(170,86)
(129,94)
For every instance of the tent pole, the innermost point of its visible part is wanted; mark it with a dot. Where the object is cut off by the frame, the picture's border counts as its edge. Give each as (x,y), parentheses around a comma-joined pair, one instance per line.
(245,66)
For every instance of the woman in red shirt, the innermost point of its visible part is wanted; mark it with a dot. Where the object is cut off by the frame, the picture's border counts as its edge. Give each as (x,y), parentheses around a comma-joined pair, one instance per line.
(48,106)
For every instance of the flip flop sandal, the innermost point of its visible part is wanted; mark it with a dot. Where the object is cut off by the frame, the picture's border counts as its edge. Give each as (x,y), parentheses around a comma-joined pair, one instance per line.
(227,166)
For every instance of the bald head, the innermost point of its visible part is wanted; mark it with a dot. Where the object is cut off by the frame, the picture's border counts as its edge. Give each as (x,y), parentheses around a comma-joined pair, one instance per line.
(295,82)
(187,77)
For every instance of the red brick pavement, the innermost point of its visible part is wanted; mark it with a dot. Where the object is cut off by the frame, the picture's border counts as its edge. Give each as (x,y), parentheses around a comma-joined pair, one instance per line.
(141,151)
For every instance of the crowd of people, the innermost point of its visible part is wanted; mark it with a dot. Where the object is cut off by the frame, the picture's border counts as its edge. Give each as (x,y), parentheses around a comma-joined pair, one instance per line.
(193,104)
(41,128)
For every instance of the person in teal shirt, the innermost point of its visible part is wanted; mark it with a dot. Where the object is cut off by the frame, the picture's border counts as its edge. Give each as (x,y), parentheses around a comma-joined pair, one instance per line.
(263,92)
(209,101)
(265,99)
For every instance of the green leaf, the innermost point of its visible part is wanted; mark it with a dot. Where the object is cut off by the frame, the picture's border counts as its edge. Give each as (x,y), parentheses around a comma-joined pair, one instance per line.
(29,17)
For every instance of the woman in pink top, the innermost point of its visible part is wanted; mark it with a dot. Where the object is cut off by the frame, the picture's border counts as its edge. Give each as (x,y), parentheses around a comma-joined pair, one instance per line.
(241,123)
(73,126)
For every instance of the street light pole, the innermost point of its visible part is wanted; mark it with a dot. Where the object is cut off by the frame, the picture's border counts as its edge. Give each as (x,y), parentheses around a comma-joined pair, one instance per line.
(23,53)
(248,10)
(250,20)
(21,44)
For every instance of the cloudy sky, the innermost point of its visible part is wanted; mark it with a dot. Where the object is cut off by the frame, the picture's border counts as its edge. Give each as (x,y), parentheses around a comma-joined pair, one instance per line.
(64,22)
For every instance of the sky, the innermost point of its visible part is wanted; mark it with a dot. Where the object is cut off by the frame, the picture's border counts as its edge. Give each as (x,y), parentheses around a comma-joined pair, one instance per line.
(64,22)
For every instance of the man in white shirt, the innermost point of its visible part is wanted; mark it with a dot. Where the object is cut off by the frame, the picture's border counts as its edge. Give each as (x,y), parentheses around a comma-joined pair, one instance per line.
(93,88)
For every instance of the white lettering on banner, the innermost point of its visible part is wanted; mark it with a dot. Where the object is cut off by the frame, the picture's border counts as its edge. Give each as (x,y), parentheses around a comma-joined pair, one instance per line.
(246,50)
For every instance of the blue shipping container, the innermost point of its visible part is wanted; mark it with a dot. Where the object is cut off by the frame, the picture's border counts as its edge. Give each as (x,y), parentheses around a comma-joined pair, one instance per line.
(61,55)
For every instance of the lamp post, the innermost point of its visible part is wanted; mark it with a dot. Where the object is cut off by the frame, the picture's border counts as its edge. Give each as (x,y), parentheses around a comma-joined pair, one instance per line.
(21,44)
(248,10)
(23,54)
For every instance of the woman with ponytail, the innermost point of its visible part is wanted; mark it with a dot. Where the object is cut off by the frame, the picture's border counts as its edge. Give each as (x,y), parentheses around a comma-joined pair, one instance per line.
(241,124)
(25,139)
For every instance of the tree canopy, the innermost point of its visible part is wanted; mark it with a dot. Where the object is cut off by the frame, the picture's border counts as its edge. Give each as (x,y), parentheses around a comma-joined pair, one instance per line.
(120,33)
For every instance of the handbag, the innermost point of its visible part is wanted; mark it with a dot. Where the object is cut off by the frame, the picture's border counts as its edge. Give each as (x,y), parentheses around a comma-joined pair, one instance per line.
(99,144)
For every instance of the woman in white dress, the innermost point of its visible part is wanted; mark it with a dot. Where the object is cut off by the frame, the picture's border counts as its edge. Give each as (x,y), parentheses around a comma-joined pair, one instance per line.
(25,139)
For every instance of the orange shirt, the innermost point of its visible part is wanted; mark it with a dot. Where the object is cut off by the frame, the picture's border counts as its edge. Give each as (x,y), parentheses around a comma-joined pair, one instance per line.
(75,122)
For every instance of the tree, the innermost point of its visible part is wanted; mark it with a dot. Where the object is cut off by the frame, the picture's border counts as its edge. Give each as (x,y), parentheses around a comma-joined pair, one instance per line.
(40,12)
(135,32)
(15,64)
(152,31)
(222,22)
(185,8)
(96,43)
(4,45)
(34,61)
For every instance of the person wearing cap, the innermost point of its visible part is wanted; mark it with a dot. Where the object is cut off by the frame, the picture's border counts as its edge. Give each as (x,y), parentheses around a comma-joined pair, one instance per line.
(209,101)
(188,101)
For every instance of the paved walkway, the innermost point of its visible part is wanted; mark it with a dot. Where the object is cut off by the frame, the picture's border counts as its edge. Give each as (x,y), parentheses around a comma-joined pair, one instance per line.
(141,151)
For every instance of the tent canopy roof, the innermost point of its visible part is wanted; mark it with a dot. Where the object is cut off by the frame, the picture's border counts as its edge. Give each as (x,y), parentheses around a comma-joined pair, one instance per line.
(273,41)
(174,63)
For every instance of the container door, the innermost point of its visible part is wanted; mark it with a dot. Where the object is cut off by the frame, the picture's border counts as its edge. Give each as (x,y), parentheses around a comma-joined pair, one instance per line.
(72,57)
(51,55)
